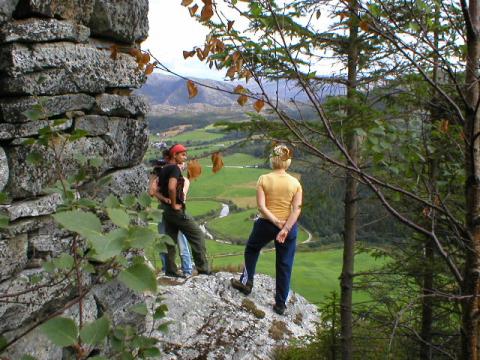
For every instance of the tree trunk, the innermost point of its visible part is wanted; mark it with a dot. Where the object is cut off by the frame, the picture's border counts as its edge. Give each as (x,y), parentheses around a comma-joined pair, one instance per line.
(471,283)
(350,229)
(427,311)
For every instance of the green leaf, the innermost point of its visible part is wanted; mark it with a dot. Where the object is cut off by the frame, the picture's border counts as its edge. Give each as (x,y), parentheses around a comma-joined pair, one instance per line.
(84,223)
(163,327)
(139,278)
(34,158)
(111,201)
(77,134)
(98,358)
(48,266)
(109,245)
(61,331)
(160,312)
(139,309)
(141,237)
(33,114)
(104,181)
(151,352)
(144,200)
(96,161)
(88,203)
(156,215)
(4,221)
(64,261)
(129,200)
(119,217)
(3,343)
(28,357)
(93,333)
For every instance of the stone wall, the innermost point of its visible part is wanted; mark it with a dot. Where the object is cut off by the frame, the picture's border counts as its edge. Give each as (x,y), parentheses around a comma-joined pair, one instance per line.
(57,53)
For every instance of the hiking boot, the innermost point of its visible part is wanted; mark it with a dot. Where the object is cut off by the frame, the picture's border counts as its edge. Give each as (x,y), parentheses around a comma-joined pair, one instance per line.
(279,308)
(173,274)
(237,284)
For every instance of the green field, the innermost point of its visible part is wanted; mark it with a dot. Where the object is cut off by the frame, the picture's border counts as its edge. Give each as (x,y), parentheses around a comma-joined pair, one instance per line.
(315,274)
(237,226)
(202,207)
(197,136)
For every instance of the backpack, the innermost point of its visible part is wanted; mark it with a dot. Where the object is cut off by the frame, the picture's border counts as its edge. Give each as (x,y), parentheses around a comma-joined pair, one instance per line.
(153,184)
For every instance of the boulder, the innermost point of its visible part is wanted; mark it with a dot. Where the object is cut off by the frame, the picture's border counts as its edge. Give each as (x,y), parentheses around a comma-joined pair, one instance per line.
(12,131)
(94,125)
(129,138)
(6,10)
(40,30)
(63,68)
(39,206)
(116,105)
(12,109)
(4,172)
(38,346)
(121,20)
(76,10)
(211,320)
(15,313)
(13,255)
(117,300)
(132,181)
(28,179)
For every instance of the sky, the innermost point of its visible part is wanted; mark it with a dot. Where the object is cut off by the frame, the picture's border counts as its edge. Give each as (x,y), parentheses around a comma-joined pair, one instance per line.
(172,30)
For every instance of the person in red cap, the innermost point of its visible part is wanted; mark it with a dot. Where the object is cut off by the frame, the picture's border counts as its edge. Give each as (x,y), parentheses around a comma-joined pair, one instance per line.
(174,215)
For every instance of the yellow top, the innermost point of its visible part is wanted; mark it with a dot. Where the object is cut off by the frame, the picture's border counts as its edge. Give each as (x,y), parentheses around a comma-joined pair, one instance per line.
(279,191)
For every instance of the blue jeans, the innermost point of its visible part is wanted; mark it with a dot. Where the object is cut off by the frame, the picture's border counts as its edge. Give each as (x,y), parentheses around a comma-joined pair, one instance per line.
(262,233)
(185,255)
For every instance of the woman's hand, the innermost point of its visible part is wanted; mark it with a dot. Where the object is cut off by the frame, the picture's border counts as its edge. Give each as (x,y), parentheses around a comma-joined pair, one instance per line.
(282,235)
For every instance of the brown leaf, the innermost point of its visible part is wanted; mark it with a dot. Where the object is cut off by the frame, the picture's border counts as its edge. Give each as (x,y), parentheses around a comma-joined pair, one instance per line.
(242,100)
(186,2)
(207,12)
(364,25)
(200,54)
(236,55)
(239,89)
(194,169)
(193,9)
(135,52)
(258,105)
(149,69)
(219,46)
(248,75)
(205,51)
(145,58)
(113,52)
(192,89)
(217,162)
(239,64)
(231,72)
(230,25)
(343,15)
(318,14)
(207,2)
(187,54)
(444,126)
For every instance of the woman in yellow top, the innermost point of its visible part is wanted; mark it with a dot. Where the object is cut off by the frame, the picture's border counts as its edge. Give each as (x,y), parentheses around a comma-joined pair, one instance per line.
(279,200)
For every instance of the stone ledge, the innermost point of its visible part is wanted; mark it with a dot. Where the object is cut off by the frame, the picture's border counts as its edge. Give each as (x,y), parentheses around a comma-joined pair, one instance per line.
(41,206)
(116,105)
(41,30)
(12,131)
(12,109)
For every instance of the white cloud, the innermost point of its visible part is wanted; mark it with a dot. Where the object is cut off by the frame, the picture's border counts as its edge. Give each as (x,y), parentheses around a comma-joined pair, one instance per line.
(172,30)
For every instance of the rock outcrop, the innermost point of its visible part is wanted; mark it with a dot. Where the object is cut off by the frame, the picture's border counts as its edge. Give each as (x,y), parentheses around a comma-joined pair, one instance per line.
(58,71)
(211,320)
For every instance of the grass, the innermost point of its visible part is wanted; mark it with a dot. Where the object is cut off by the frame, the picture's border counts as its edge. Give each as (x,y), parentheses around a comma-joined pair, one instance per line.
(315,274)
(202,207)
(238,226)
(197,136)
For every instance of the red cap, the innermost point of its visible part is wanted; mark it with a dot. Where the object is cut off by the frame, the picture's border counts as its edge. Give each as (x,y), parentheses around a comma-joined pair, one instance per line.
(177,148)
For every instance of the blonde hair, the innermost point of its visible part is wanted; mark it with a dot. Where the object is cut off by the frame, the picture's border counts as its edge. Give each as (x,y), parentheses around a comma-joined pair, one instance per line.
(280,157)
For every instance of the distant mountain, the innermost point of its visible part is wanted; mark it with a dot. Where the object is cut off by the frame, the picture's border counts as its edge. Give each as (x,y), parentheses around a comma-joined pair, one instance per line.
(169,93)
